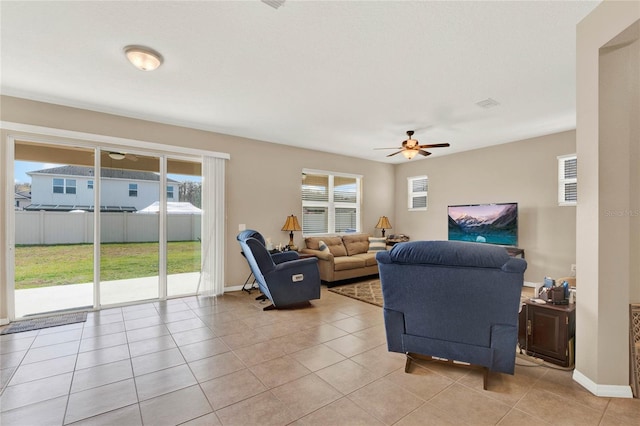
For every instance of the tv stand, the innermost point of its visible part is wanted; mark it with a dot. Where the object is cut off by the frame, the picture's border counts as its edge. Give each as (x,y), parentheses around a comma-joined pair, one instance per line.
(515,251)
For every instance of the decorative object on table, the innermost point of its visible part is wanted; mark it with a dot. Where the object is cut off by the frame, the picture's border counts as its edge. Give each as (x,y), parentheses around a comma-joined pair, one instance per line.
(425,314)
(383,223)
(291,225)
(290,282)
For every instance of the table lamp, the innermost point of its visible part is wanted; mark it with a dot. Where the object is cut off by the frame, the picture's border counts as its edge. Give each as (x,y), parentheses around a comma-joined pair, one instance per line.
(291,225)
(383,223)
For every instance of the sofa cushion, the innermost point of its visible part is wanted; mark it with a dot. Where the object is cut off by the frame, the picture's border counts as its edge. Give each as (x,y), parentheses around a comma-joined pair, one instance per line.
(334,243)
(348,262)
(356,243)
(368,257)
(377,244)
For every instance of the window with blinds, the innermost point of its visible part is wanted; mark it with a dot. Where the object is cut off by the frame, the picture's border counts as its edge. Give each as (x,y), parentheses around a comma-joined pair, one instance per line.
(330,202)
(568,180)
(417,190)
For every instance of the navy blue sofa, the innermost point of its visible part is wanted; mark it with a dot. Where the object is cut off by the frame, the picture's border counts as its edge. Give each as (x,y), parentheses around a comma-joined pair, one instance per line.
(283,278)
(452,300)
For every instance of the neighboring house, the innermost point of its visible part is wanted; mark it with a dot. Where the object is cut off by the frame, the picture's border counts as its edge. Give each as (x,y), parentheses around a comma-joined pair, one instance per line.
(67,188)
(22,199)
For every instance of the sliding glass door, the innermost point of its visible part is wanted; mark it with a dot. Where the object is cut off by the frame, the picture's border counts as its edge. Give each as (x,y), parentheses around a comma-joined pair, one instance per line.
(130,193)
(53,228)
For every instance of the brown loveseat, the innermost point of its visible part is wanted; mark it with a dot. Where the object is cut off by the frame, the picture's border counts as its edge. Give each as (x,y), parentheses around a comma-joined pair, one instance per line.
(348,256)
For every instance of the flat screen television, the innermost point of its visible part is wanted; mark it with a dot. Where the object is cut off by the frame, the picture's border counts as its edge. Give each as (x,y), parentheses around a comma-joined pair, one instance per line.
(484,223)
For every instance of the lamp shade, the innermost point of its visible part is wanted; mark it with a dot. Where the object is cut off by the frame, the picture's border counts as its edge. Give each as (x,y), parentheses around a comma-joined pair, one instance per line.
(383,223)
(409,153)
(291,224)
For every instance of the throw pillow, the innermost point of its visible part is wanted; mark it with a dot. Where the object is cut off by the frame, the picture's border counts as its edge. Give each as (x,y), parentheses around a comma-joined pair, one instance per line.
(377,244)
(323,247)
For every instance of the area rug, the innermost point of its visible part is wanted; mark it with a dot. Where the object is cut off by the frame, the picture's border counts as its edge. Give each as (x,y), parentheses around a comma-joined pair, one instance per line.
(369,292)
(38,323)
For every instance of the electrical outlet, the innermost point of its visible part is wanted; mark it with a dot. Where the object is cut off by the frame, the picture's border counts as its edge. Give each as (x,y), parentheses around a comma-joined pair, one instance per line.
(573,267)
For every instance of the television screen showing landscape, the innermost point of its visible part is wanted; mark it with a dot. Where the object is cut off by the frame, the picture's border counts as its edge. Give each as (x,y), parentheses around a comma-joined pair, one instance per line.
(484,223)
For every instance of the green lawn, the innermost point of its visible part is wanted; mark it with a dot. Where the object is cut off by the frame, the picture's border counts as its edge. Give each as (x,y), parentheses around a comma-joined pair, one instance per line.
(42,266)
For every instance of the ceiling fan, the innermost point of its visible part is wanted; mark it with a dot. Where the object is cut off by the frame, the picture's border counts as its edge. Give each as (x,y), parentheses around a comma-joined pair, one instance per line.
(411,147)
(114,155)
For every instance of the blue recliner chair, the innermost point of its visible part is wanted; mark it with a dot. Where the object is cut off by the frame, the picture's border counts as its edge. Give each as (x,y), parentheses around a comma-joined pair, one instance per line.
(283,278)
(452,300)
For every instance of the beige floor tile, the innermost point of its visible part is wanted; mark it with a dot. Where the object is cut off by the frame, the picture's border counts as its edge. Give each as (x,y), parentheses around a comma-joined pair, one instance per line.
(561,383)
(101,375)
(232,388)
(259,352)
(175,407)
(340,412)
(506,388)
(192,336)
(516,417)
(203,349)
(279,371)
(156,361)
(262,409)
(351,324)
(185,325)
(45,413)
(104,341)
(42,369)
(347,376)
(350,345)
(148,346)
(295,342)
(386,401)
(624,409)
(103,399)
(15,345)
(126,416)
(429,415)
(142,322)
(13,359)
(318,357)
(421,382)
(164,381)
(470,406)
(99,330)
(35,391)
(149,311)
(102,356)
(557,410)
(375,334)
(380,359)
(180,315)
(216,366)
(210,419)
(244,338)
(5,375)
(306,394)
(49,352)
(147,333)
(325,333)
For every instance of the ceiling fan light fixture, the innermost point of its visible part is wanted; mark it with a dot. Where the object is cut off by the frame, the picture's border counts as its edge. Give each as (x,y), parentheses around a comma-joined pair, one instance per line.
(116,155)
(409,153)
(143,58)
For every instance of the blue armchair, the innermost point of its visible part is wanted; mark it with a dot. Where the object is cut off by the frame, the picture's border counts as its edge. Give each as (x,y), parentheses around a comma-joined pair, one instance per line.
(452,300)
(283,278)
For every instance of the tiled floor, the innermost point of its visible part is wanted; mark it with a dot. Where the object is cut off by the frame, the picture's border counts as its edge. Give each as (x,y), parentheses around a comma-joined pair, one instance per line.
(225,361)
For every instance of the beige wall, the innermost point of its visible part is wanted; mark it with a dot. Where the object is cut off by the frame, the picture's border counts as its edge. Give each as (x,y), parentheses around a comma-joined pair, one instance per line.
(262,179)
(525,172)
(608,64)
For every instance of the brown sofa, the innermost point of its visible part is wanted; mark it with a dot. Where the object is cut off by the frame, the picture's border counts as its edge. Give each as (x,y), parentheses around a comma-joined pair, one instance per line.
(348,256)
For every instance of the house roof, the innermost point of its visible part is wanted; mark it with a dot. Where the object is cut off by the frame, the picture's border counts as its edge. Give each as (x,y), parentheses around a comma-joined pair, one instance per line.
(105,173)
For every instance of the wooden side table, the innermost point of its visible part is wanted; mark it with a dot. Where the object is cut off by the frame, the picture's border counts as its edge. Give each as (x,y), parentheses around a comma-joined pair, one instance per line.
(548,332)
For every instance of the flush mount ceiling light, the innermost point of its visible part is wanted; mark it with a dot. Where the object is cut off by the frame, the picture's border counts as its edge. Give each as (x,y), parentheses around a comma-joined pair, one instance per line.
(143,58)
(117,155)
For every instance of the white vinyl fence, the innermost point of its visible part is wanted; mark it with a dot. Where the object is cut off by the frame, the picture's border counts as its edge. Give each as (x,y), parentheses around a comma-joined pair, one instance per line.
(43,228)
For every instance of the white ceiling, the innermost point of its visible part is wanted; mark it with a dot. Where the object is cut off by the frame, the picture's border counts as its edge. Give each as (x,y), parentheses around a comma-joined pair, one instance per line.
(343,77)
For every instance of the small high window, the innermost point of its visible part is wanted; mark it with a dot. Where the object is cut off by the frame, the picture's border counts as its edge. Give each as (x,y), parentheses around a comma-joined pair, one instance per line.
(417,190)
(568,180)
(89,184)
(170,192)
(133,190)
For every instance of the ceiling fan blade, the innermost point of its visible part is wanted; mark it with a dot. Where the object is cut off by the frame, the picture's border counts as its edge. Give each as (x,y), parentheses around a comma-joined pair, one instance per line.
(436,145)
(423,152)
(395,147)
(391,155)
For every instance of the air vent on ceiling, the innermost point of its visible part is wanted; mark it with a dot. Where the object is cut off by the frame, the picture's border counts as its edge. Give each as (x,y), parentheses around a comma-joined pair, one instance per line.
(488,103)
(273,3)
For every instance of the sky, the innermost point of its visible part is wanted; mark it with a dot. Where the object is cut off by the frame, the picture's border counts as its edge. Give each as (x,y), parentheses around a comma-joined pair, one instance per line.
(20,169)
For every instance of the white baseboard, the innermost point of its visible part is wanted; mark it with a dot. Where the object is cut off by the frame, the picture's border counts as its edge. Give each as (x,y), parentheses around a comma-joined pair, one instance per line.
(4,321)
(233,288)
(610,391)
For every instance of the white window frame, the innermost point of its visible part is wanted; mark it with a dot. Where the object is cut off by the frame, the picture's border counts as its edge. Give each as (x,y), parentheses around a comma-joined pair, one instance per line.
(562,181)
(170,191)
(412,194)
(89,184)
(331,205)
(133,189)
(66,187)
